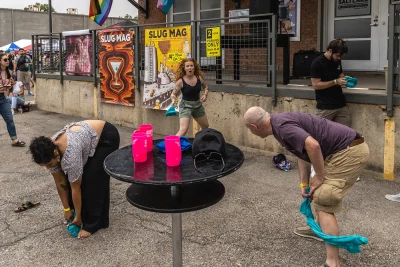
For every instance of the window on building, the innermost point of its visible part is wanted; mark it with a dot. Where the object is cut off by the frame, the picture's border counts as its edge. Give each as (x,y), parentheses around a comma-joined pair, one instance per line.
(185,10)
(182,10)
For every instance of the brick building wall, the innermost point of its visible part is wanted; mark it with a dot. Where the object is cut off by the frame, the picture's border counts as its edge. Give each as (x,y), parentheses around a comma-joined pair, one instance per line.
(308,30)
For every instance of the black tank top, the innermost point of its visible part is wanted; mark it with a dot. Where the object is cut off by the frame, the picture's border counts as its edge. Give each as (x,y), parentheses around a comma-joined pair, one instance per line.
(191,93)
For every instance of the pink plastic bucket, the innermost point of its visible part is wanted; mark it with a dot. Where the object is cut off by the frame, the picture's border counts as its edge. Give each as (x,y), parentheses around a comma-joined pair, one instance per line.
(173,150)
(148,129)
(139,147)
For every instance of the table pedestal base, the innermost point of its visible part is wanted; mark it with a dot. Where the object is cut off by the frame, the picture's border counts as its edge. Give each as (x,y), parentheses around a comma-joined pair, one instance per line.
(177,239)
(175,200)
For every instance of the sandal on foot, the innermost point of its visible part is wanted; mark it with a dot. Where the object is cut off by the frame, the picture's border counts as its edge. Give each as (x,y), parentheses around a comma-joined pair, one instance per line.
(19,143)
(27,205)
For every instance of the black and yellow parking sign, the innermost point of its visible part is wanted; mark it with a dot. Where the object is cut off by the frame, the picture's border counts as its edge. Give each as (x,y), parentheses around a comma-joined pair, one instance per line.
(213,42)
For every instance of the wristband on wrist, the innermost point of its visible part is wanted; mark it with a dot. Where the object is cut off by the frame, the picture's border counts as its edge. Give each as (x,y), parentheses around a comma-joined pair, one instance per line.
(303,185)
(67,209)
(335,81)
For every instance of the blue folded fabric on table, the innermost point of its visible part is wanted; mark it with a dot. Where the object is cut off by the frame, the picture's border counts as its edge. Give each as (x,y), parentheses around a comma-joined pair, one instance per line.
(185,145)
(351,243)
(73,229)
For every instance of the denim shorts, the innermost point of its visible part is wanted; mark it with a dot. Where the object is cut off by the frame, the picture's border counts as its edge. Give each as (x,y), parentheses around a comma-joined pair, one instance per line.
(191,108)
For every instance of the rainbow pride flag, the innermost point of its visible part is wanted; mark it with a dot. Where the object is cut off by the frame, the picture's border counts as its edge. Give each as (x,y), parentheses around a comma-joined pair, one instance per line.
(164,5)
(99,10)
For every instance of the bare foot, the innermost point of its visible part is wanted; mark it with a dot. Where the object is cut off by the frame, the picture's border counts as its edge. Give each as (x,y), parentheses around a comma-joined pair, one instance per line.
(83,234)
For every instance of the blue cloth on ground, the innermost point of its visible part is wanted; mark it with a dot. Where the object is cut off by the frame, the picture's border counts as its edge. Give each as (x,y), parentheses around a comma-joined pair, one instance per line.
(351,243)
(185,145)
(73,229)
(351,81)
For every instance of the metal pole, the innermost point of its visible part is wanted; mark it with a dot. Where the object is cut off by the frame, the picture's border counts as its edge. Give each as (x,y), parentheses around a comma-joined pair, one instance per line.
(60,59)
(392,59)
(273,59)
(176,230)
(137,57)
(51,40)
(34,58)
(95,82)
(50,18)
(177,239)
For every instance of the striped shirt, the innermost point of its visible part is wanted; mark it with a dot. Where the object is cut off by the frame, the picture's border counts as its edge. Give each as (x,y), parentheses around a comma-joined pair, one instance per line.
(80,146)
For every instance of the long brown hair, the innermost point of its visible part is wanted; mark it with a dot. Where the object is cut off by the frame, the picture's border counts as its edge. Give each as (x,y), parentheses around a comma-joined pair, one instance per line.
(7,70)
(181,70)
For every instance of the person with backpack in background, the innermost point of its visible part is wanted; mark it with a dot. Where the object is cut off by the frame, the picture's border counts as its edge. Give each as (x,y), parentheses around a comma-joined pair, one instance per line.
(23,62)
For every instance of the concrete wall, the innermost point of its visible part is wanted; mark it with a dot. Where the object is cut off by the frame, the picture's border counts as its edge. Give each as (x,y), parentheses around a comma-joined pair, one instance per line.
(18,24)
(76,98)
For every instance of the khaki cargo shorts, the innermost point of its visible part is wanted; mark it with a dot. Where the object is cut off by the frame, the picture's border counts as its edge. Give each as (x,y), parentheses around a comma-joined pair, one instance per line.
(340,115)
(191,108)
(24,76)
(341,172)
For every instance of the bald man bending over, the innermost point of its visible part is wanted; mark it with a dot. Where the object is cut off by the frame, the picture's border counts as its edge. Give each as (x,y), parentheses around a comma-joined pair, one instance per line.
(337,152)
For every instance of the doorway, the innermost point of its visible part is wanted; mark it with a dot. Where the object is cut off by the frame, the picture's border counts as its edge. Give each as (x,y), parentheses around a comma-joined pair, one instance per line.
(363,24)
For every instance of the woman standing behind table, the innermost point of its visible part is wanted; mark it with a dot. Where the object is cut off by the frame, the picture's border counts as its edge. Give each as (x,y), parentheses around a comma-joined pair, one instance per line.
(189,81)
(6,83)
(75,157)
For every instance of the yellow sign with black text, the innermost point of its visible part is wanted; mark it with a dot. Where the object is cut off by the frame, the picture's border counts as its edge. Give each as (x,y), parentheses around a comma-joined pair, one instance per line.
(213,42)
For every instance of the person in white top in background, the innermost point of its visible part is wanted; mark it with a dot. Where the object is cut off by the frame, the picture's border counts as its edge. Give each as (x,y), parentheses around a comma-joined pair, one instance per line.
(17,97)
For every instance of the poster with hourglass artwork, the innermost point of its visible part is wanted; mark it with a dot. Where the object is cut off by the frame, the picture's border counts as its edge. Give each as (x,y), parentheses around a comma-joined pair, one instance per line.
(164,50)
(116,61)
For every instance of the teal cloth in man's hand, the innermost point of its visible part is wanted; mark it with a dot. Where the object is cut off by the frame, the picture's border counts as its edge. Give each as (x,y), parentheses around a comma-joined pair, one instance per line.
(351,81)
(350,243)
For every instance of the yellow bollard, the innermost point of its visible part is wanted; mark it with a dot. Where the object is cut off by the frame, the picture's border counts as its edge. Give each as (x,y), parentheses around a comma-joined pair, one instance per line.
(388,157)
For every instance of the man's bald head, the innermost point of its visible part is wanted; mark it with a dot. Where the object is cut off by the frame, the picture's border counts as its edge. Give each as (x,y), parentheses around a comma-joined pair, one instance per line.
(255,116)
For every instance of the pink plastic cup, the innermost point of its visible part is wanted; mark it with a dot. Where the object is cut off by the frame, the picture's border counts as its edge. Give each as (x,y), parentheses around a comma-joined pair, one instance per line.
(173,150)
(148,129)
(139,147)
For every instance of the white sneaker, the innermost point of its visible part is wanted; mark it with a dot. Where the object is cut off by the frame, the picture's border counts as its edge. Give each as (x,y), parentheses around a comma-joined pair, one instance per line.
(358,179)
(395,198)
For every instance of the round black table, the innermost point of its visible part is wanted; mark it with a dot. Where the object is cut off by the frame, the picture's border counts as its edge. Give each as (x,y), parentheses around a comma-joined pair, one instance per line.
(159,188)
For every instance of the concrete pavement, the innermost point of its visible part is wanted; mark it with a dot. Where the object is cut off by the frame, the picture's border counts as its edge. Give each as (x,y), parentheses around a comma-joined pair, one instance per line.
(251,226)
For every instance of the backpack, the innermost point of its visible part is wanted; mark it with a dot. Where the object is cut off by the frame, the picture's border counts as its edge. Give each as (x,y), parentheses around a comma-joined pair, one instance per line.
(208,146)
(281,162)
(25,107)
(21,64)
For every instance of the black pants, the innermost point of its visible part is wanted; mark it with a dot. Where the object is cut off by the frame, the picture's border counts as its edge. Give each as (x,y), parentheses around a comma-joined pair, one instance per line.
(95,187)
